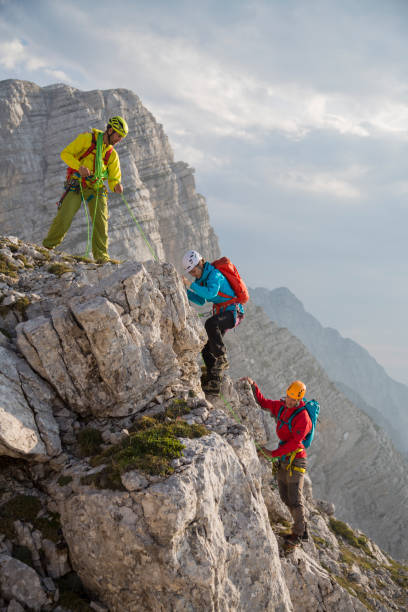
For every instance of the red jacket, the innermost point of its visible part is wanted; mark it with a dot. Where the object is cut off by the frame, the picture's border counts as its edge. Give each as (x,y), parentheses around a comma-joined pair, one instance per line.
(301,425)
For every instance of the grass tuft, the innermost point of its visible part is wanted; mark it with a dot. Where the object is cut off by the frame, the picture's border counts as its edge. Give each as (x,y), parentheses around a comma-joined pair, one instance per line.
(7,268)
(150,448)
(343,530)
(59,269)
(25,508)
(89,440)
(64,480)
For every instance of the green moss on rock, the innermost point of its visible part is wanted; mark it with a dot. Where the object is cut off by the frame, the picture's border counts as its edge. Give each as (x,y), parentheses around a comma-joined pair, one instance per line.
(343,530)
(59,269)
(151,449)
(354,590)
(25,508)
(7,268)
(89,440)
(19,508)
(50,526)
(349,557)
(64,480)
(177,408)
(398,572)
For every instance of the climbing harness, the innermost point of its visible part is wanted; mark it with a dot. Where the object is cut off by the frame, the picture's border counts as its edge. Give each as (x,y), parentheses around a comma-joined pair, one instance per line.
(99,175)
(291,467)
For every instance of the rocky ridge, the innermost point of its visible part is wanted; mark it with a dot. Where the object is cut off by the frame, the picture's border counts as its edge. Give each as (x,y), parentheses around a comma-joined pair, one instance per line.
(146,502)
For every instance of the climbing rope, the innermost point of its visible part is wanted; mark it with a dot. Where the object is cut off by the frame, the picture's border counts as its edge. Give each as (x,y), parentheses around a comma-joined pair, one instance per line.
(139,227)
(89,235)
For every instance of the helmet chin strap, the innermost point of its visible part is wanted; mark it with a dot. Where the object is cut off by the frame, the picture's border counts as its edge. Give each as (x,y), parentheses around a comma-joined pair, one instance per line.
(109,136)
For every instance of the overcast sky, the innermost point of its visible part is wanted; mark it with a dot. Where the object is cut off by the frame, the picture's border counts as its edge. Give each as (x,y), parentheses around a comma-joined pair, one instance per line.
(294,114)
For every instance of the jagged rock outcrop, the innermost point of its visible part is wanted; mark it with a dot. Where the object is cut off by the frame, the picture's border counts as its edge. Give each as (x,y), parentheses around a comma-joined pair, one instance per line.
(70,315)
(27,423)
(160,500)
(352,462)
(199,539)
(36,123)
(344,361)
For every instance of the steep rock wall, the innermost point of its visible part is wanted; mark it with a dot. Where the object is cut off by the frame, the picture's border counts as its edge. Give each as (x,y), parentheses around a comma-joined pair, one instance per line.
(352,462)
(36,123)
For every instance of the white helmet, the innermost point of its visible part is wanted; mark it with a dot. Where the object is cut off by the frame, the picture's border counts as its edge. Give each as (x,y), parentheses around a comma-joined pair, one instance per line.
(191,259)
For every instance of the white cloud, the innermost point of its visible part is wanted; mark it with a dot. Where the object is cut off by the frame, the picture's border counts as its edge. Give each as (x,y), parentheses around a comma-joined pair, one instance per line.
(320,183)
(14,54)
(228,101)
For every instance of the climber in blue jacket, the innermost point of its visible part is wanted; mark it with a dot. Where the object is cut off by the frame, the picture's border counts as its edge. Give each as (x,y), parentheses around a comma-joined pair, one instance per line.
(210,285)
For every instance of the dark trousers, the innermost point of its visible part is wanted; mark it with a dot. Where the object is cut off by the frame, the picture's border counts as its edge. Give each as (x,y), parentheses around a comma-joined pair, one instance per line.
(291,493)
(216,326)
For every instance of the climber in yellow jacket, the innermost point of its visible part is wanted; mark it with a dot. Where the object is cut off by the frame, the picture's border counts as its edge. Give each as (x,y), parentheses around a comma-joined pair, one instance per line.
(91,159)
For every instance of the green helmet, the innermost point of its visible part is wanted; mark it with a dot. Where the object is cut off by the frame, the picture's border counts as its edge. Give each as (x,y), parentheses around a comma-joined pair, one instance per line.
(119,125)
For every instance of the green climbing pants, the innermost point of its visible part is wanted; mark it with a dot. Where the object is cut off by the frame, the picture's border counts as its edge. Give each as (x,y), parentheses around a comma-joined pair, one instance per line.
(68,209)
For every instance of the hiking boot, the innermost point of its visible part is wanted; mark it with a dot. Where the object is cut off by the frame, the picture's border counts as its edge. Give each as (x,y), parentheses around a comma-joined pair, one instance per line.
(221,363)
(292,540)
(109,260)
(212,386)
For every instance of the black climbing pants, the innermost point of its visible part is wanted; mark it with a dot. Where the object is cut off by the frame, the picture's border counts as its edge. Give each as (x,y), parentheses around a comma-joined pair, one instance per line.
(216,326)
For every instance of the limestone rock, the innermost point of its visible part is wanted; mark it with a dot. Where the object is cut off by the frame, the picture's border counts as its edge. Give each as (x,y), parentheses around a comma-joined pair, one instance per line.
(27,424)
(197,540)
(322,592)
(351,462)
(114,342)
(160,191)
(20,582)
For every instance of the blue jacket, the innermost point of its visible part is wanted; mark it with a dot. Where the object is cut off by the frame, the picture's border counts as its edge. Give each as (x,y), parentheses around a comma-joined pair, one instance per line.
(206,289)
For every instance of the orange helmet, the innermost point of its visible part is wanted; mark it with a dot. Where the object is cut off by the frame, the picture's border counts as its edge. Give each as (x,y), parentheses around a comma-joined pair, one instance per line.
(296,390)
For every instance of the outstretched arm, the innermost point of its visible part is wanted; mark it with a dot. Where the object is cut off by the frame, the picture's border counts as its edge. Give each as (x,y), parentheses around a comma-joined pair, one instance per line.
(266,404)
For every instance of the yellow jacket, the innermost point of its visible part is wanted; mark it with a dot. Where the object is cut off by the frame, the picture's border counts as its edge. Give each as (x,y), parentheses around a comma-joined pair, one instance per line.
(70,155)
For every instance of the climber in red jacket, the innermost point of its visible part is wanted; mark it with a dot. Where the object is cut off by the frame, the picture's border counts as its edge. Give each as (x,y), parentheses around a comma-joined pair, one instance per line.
(290,452)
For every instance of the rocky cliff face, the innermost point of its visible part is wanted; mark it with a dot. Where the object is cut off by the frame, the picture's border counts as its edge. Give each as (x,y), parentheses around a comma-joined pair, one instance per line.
(98,363)
(121,495)
(345,362)
(36,123)
(352,462)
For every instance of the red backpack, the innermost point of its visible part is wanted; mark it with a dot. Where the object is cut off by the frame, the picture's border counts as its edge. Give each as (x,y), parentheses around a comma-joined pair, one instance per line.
(227,268)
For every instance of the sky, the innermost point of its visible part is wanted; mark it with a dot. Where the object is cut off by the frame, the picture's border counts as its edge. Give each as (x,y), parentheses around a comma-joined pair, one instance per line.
(294,115)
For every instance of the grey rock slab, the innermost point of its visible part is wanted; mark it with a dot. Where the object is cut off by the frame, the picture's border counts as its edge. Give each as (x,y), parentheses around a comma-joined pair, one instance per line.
(20,582)
(196,540)
(27,425)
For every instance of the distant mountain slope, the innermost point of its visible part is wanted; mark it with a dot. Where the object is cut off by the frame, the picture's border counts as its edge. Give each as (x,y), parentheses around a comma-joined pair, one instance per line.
(352,462)
(344,360)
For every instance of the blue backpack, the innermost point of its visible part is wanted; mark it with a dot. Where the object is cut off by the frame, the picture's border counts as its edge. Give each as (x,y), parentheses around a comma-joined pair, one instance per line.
(313,409)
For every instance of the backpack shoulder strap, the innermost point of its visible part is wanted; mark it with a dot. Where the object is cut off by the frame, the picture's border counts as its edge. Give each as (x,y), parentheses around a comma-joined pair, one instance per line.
(280,422)
(292,416)
(107,155)
(91,148)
